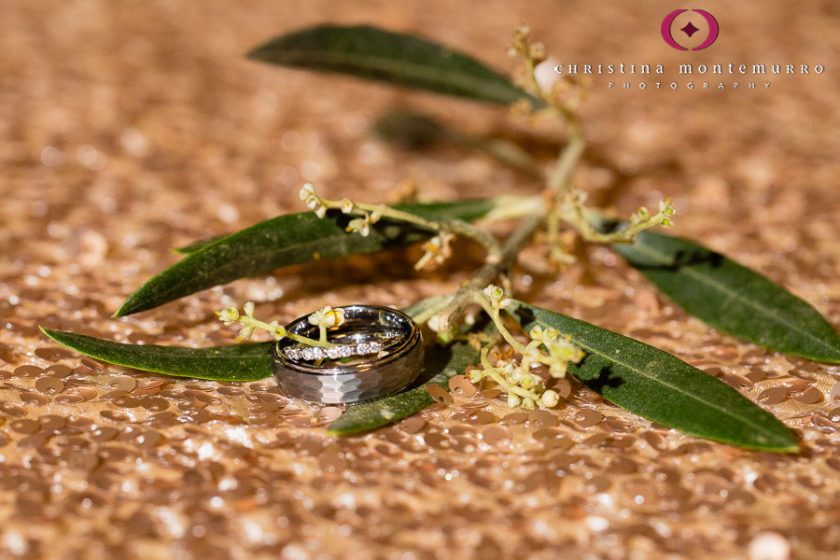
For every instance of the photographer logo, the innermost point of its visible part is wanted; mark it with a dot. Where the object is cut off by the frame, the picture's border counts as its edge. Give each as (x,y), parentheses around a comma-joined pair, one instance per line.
(689,29)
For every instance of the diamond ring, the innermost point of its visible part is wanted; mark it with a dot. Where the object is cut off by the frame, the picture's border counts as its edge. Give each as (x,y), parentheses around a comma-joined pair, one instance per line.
(376,351)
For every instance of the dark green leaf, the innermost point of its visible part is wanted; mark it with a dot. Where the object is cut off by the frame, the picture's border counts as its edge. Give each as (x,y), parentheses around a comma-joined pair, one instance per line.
(396,58)
(441,363)
(731,297)
(238,362)
(196,245)
(658,386)
(283,241)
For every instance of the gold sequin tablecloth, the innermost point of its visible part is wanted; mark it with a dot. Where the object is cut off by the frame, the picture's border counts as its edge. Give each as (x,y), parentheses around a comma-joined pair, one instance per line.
(128,128)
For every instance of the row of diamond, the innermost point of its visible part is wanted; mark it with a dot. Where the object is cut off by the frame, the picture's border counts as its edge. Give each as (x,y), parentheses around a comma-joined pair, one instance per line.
(312,353)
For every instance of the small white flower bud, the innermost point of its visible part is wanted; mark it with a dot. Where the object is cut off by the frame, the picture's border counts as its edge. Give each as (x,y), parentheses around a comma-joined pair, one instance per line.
(537,52)
(438,323)
(249,308)
(246,332)
(513,401)
(549,399)
(493,292)
(306,191)
(521,32)
(229,315)
(497,296)
(346,206)
(321,211)
(333,317)
(557,370)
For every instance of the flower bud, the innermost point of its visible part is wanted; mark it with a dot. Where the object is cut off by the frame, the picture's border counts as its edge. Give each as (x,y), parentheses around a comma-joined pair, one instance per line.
(229,315)
(306,191)
(537,52)
(333,317)
(549,399)
(438,323)
(521,32)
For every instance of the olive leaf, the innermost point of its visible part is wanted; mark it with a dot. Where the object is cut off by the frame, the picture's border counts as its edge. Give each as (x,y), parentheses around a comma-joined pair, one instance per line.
(397,58)
(283,241)
(196,245)
(656,385)
(236,362)
(732,298)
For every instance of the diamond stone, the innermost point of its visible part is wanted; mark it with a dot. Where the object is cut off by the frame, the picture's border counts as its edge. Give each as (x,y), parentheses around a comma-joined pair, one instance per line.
(368,348)
(312,353)
(338,352)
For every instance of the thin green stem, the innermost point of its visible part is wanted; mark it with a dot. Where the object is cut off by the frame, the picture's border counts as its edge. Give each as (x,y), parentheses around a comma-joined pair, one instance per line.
(485,362)
(494,314)
(517,240)
(508,206)
(309,341)
(510,388)
(283,333)
(582,218)
(458,227)
(560,179)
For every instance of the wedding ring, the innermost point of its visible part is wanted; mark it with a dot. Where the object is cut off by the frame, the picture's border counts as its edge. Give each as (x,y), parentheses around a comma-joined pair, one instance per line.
(376,351)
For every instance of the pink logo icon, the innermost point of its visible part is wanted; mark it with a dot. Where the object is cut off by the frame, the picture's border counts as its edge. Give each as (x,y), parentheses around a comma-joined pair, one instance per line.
(689,29)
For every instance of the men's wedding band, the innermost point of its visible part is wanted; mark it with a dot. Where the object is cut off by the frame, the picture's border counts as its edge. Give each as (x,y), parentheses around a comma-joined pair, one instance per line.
(376,351)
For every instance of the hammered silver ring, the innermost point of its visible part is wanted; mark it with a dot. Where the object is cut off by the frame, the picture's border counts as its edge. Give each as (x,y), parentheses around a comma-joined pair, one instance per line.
(375,352)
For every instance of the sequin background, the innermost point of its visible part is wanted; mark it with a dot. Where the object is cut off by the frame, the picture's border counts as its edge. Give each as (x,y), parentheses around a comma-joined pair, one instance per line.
(127,129)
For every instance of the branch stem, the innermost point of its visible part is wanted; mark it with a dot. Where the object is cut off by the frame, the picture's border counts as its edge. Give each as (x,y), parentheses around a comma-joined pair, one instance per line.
(513,245)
